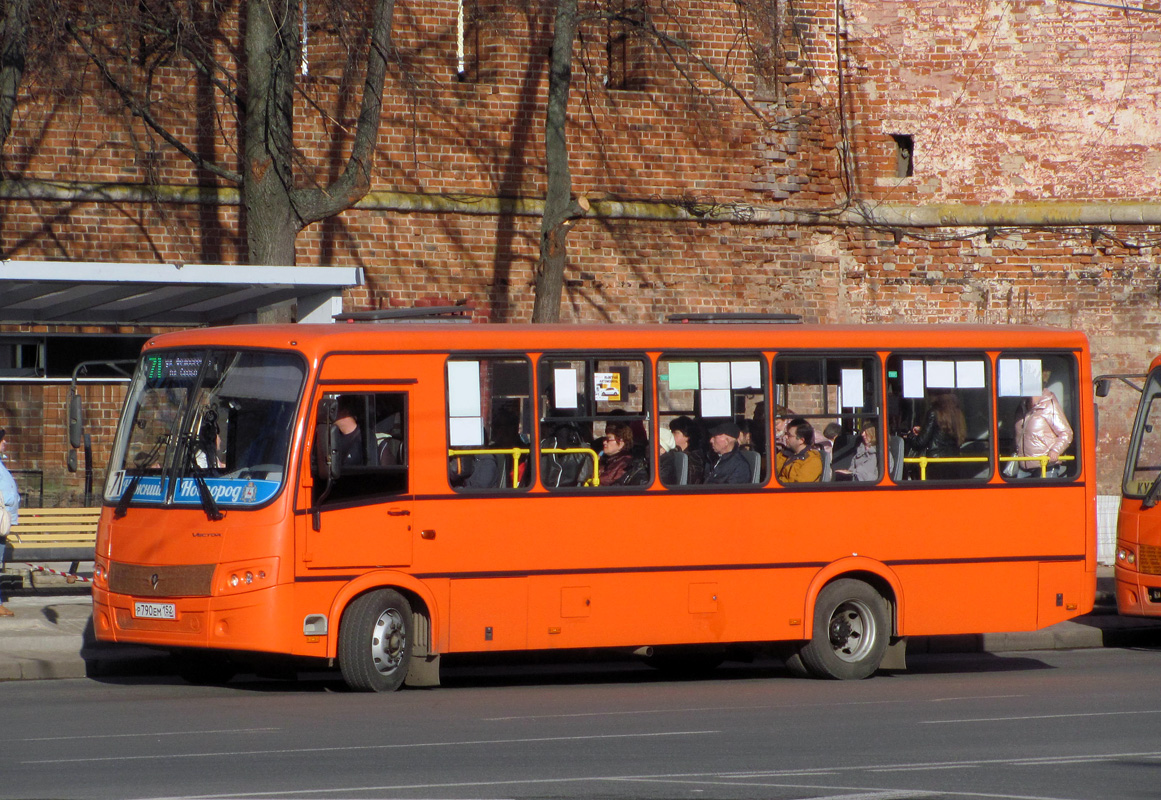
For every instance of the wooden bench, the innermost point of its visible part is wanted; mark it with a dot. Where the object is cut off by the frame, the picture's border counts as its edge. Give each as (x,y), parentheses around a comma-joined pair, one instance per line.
(53,534)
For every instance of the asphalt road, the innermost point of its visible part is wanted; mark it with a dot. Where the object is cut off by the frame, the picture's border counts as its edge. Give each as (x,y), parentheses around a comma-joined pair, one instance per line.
(1057,724)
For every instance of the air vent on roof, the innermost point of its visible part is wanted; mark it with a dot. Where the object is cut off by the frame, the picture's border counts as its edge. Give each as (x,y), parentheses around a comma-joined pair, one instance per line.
(737,318)
(429,314)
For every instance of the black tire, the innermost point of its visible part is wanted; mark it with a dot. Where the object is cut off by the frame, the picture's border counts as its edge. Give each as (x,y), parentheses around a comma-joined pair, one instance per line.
(375,639)
(851,632)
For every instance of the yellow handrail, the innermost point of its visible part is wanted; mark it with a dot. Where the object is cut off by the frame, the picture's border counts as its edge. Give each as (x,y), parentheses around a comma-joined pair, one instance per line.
(516,452)
(593,481)
(923,461)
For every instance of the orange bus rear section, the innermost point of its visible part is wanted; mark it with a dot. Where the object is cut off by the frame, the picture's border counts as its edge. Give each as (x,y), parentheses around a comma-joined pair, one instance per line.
(624,567)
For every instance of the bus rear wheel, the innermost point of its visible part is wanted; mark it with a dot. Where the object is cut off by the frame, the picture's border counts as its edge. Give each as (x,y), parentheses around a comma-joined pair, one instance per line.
(375,638)
(851,632)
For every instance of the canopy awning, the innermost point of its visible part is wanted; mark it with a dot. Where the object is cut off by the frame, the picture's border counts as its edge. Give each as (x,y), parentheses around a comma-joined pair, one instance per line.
(101,293)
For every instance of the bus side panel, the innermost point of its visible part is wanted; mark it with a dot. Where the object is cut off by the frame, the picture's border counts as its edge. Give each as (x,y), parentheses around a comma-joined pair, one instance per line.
(659,608)
(969,598)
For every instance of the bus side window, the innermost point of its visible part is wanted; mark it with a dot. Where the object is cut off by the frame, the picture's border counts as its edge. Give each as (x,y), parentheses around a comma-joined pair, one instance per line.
(489,416)
(584,401)
(699,392)
(941,407)
(1036,407)
(838,399)
(364,446)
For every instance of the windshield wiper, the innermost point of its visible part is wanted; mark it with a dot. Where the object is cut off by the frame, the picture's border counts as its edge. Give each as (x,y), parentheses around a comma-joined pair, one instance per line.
(122,507)
(1153,495)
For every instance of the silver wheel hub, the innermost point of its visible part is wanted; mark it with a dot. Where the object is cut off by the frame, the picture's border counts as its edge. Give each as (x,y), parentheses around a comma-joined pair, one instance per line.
(388,642)
(852,631)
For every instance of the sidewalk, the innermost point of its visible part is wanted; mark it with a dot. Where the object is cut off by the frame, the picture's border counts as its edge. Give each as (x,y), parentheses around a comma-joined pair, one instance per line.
(51,636)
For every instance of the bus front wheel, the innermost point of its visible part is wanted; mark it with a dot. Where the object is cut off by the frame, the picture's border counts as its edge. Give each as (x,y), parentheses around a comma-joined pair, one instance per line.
(375,638)
(851,632)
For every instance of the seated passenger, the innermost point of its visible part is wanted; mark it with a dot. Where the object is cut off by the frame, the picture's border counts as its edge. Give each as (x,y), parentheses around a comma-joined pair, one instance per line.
(475,471)
(865,462)
(618,466)
(684,433)
(803,464)
(731,466)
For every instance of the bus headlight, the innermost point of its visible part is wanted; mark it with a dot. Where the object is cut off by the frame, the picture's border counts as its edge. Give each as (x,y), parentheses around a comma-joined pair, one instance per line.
(246,576)
(1126,557)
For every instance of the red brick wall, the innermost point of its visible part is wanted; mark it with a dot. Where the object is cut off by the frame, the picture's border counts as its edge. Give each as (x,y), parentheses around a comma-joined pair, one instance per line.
(1016,102)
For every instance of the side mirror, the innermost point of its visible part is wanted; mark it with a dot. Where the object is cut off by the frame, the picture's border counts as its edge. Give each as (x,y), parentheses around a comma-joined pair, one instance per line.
(1102,387)
(76,420)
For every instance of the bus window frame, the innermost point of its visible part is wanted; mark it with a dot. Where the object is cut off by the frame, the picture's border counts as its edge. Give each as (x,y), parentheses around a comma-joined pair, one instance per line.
(647,390)
(763,357)
(989,357)
(1074,420)
(497,355)
(876,357)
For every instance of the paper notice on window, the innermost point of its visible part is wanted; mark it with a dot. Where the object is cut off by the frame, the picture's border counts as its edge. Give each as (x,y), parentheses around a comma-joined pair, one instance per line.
(969,375)
(913,379)
(852,388)
(1031,379)
(1009,378)
(564,388)
(715,375)
(745,375)
(716,403)
(608,386)
(683,376)
(940,374)
(466,432)
(463,388)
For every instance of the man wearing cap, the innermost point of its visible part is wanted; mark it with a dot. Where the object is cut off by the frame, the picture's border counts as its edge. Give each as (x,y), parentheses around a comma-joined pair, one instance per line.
(804,463)
(731,466)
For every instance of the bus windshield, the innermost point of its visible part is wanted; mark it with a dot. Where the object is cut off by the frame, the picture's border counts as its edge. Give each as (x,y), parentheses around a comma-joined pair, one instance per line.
(1143,467)
(206,427)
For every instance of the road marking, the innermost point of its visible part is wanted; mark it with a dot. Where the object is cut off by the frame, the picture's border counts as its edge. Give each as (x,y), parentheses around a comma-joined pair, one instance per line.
(1037,716)
(354,748)
(133,735)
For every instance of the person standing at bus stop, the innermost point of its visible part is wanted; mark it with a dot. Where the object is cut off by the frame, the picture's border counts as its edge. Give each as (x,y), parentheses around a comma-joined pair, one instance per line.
(11,498)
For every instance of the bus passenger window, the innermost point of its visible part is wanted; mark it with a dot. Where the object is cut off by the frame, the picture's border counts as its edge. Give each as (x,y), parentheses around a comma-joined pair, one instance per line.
(1036,403)
(940,406)
(594,422)
(827,420)
(714,405)
(360,447)
(489,417)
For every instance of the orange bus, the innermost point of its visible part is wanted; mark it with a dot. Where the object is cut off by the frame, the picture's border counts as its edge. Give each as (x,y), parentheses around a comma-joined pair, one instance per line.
(1138,549)
(378,495)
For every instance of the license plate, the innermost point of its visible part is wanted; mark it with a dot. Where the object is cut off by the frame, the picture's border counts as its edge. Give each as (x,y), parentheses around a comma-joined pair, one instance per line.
(155,610)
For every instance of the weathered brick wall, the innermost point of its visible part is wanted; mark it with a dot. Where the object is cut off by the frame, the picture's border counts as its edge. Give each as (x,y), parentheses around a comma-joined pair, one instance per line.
(1020,103)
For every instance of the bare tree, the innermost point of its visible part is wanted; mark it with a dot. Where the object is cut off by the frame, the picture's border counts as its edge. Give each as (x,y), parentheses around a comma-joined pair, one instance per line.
(13,51)
(136,41)
(561,209)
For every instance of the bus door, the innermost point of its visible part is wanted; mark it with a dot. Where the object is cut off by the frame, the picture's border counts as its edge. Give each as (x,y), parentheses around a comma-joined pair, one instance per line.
(358,482)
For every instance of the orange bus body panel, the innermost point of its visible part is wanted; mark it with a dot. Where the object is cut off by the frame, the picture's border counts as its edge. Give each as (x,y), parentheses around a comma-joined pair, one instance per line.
(538,570)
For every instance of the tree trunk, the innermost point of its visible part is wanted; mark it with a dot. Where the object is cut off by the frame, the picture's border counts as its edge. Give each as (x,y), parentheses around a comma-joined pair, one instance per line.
(267,178)
(559,210)
(13,48)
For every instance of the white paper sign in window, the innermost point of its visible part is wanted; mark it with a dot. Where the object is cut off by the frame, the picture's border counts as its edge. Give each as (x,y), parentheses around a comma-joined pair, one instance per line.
(969,375)
(715,375)
(716,403)
(940,374)
(913,378)
(852,388)
(1020,377)
(465,424)
(745,375)
(564,388)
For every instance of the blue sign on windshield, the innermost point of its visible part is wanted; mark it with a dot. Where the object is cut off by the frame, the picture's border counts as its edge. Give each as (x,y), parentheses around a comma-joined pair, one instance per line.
(233,491)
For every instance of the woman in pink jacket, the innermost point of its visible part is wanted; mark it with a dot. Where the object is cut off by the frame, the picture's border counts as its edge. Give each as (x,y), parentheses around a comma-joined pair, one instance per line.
(1042,430)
